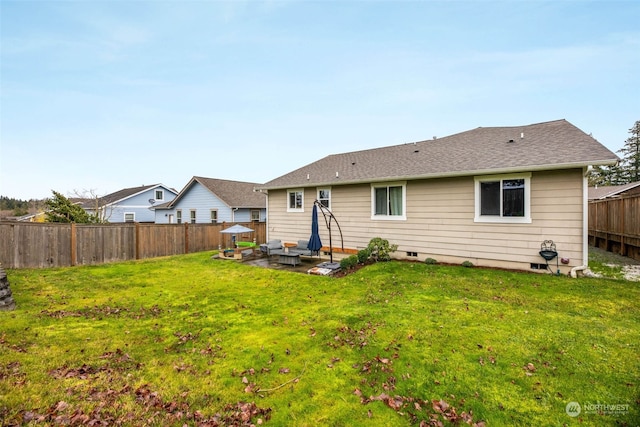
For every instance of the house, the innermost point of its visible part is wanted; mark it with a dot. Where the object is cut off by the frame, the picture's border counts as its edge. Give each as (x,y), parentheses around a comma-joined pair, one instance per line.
(130,204)
(35,217)
(490,195)
(605,192)
(210,200)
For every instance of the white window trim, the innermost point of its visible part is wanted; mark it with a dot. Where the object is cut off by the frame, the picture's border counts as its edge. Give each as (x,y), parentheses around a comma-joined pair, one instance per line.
(402,217)
(526,219)
(129,213)
(295,190)
(155,193)
(253,211)
(319,189)
(211,216)
(193,216)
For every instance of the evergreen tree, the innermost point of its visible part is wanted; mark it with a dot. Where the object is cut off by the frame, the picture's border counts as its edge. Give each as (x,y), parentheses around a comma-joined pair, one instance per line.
(60,209)
(630,163)
(604,176)
(627,170)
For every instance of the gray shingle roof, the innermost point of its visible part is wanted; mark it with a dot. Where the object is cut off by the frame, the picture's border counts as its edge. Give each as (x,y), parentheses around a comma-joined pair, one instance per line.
(236,194)
(549,145)
(88,203)
(124,193)
(596,193)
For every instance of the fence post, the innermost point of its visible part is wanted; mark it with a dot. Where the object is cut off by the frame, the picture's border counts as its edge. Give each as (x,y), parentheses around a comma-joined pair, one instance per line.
(73,244)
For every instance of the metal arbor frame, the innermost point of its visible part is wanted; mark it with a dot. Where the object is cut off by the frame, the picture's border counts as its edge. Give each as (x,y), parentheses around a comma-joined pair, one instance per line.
(328,218)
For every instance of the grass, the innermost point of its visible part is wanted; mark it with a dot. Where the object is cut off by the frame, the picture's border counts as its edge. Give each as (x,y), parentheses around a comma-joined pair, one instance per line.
(191,340)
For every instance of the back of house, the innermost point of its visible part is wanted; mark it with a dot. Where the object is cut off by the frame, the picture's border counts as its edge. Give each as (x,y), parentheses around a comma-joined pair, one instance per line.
(491,196)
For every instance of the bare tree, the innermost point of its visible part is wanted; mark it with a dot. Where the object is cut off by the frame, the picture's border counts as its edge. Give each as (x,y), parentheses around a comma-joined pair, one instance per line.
(93,203)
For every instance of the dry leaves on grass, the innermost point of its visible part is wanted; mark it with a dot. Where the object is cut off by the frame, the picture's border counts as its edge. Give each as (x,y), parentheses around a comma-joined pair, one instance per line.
(442,411)
(151,410)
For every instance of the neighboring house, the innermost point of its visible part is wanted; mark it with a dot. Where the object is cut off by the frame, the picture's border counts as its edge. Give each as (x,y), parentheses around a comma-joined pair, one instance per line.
(130,204)
(488,195)
(36,217)
(605,192)
(210,200)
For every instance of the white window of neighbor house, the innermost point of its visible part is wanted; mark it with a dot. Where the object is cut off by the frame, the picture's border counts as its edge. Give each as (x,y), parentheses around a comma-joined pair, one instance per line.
(324,197)
(192,215)
(159,195)
(389,201)
(214,216)
(129,217)
(503,198)
(255,215)
(295,200)
(179,216)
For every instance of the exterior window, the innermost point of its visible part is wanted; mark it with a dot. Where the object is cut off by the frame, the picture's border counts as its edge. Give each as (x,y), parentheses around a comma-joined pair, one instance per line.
(192,214)
(159,195)
(255,215)
(179,216)
(324,197)
(503,198)
(129,217)
(214,216)
(295,201)
(388,201)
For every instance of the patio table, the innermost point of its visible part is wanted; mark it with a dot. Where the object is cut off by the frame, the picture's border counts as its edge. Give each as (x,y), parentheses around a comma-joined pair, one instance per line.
(289,259)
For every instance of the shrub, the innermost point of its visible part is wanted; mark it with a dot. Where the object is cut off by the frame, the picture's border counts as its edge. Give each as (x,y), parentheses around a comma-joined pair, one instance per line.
(364,255)
(380,249)
(349,262)
(467,264)
(430,261)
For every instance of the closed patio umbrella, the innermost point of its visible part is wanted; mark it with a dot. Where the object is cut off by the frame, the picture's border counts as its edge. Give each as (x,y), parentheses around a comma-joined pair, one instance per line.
(315,244)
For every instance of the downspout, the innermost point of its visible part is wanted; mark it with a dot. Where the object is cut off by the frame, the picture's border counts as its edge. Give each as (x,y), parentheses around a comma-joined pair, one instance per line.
(585,226)
(266,219)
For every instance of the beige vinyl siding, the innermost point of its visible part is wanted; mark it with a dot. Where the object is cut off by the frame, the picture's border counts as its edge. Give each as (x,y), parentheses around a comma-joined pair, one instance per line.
(440,221)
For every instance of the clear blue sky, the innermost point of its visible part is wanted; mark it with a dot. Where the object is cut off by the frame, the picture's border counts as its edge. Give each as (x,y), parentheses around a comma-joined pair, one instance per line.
(107,95)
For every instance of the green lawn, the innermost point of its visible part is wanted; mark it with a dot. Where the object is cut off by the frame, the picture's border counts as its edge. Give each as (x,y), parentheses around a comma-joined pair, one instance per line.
(196,341)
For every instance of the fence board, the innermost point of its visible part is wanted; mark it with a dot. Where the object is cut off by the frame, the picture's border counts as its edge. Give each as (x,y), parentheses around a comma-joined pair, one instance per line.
(614,225)
(38,245)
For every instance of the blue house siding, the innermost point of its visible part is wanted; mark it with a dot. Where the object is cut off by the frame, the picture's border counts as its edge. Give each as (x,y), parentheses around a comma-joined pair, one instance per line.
(139,205)
(244,214)
(199,199)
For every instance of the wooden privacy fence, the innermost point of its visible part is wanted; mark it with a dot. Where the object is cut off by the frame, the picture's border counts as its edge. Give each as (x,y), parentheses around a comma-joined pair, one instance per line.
(614,225)
(37,245)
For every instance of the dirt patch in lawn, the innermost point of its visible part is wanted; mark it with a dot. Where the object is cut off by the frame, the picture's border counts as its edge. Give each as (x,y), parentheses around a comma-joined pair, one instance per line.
(629,266)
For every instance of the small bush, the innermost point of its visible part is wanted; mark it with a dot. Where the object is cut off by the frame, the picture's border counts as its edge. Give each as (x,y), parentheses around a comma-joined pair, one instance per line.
(364,255)
(430,261)
(349,262)
(467,264)
(380,249)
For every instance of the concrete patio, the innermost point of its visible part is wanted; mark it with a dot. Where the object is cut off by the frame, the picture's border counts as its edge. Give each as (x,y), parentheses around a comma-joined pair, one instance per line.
(261,260)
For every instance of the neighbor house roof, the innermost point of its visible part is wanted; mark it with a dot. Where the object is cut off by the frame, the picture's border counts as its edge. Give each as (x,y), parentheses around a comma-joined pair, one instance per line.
(236,194)
(542,146)
(117,196)
(597,193)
